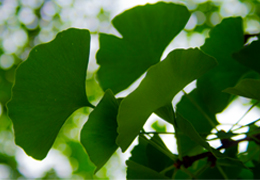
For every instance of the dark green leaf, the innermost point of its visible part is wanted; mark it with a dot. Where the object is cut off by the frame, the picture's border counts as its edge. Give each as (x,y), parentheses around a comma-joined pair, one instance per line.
(99,134)
(225,135)
(157,160)
(138,171)
(138,154)
(231,162)
(49,87)
(193,109)
(186,128)
(226,172)
(162,82)
(146,31)
(166,112)
(196,112)
(246,174)
(249,56)
(148,156)
(225,39)
(256,170)
(249,88)
(253,130)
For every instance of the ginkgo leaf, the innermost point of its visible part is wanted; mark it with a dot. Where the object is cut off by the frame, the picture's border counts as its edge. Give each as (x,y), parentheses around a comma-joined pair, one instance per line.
(49,87)
(249,88)
(186,128)
(98,135)
(162,82)
(249,56)
(146,31)
(149,159)
(225,39)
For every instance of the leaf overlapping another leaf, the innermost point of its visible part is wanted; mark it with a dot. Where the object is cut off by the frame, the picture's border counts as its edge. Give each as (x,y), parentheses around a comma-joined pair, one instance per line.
(98,135)
(249,88)
(147,162)
(200,106)
(146,31)
(162,82)
(249,56)
(225,39)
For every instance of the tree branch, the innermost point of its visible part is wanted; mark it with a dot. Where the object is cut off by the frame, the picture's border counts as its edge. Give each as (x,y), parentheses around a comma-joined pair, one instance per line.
(226,143)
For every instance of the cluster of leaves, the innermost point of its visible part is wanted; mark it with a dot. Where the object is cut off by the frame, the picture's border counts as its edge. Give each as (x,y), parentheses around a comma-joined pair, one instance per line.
(50,86)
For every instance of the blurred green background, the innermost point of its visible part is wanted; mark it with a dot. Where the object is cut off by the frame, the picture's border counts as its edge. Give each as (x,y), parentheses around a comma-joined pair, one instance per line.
(26,23)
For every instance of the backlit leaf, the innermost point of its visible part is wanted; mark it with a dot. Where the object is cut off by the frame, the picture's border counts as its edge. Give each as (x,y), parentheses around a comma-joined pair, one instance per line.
(250,56)
(49,87)
(162,82)
(148,158)
(249,88)
(225,39)
(146,32)
(99,134)
(185,127)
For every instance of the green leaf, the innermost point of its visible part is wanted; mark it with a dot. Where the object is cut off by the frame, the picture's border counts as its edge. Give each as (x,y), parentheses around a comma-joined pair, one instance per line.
(193,109)
(157,159)
(49,87)
(99,134)
(166,112)
(162,82)
(149,158)
(225,39)
(246,174)
(186,128)
(249,56)
(249,88)
(146,32)
(221,172)
(138,171)
(256,170)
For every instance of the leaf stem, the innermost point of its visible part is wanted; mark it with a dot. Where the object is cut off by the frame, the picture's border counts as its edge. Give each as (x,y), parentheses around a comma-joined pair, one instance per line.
(222,172)
(187,172)
(201,170)
(189,160)
(157,146)
(167,169)
(154,132)
(244,115)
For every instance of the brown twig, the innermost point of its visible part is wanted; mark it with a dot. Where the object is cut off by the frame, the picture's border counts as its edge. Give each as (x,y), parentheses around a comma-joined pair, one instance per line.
(187,161)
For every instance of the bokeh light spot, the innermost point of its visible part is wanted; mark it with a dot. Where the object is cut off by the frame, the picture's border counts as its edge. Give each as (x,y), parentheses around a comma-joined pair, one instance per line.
(196,40)
(9,45)
(19,37)
(215,18)
(201,18)
(26,15)
(6,61)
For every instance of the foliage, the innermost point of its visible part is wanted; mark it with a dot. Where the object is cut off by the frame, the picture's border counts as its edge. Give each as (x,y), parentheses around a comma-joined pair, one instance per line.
(51,84)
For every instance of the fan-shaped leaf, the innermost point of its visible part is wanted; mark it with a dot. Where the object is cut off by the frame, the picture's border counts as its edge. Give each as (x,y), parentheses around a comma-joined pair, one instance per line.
(49,87)
(249,88)
(162,82)
(250,56)
(225,39)
(146,31)
(98,135)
